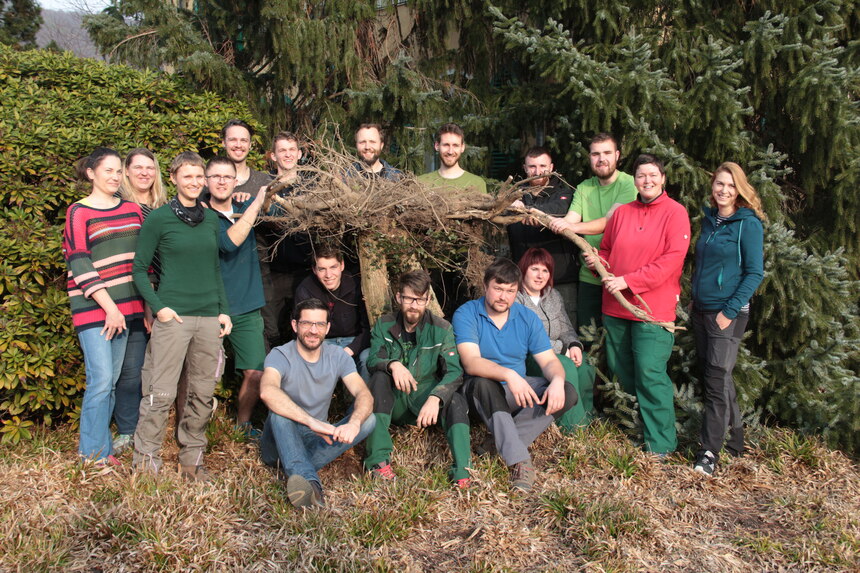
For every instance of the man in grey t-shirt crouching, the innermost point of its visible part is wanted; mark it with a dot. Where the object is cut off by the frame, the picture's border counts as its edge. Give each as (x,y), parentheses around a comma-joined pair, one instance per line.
(297,386)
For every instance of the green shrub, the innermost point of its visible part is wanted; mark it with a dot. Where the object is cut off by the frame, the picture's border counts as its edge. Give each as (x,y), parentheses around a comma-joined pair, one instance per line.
(55,109)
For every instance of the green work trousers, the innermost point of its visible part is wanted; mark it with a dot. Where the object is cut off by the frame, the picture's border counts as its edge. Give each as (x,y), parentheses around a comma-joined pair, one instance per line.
(393,406)
(637,353)
(582,379)
(589,305)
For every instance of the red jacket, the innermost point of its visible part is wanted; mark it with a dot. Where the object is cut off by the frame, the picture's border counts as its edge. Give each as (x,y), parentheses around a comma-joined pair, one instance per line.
(646,244)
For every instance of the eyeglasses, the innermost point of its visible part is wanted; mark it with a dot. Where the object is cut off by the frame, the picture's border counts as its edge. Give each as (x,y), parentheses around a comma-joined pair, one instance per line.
(310,324)
(420,301)
(221,177)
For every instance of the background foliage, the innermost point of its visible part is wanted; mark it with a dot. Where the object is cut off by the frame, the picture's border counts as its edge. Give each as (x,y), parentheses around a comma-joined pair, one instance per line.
(19,22)
(54,109)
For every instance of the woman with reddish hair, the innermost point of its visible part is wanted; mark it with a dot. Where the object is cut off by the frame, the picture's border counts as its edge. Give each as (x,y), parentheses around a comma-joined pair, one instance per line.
(536,293)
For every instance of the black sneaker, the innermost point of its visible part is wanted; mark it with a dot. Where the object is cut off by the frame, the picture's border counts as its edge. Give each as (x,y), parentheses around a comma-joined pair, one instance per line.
(706,463)
(487,446)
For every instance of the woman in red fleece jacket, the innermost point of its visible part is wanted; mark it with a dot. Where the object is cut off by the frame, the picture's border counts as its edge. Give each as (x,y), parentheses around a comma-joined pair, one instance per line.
(645,243)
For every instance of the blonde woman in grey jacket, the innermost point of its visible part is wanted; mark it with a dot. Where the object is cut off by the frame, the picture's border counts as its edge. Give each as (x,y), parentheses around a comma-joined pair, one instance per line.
(537,294)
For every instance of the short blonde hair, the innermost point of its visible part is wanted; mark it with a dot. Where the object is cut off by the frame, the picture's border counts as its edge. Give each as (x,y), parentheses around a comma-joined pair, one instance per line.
(186,158)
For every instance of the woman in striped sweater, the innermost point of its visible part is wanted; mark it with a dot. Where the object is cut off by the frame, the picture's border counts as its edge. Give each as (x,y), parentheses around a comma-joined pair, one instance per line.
(141,184)
(98,244)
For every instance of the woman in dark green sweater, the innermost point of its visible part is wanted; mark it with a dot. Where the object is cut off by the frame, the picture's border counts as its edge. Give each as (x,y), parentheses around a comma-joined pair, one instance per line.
(191,318)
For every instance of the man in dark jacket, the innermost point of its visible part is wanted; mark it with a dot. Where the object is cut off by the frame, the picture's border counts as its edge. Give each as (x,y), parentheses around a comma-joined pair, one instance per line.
(350,328)
(415,374)
(552,196)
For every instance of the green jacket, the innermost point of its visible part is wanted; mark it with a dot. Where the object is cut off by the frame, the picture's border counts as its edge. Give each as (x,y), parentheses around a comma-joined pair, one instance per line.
(433,361)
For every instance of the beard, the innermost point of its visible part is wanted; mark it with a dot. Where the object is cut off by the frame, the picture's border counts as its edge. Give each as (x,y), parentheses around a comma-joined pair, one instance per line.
(308,342)
(539,182)
(449,161)
(412,317)
(371,160)
(604,171)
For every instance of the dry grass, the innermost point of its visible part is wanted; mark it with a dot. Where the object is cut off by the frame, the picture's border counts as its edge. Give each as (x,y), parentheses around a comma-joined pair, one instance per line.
(599,505)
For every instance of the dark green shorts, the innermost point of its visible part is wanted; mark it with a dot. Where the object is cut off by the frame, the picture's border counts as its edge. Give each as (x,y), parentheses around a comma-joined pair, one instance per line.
(246,338)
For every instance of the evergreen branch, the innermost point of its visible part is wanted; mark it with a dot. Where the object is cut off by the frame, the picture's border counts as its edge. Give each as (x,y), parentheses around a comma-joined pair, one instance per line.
(129,39)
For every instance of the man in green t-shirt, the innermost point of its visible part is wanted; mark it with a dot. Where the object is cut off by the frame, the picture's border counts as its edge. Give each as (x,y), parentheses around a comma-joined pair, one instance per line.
(451,143)
(593,203)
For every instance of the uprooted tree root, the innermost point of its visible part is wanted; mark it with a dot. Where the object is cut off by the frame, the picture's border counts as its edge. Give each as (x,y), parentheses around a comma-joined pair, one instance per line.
(403,224)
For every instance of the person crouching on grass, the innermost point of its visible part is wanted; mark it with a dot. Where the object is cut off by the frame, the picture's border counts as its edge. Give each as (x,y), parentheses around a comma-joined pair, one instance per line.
(192,317)
(416,375)
(297,385)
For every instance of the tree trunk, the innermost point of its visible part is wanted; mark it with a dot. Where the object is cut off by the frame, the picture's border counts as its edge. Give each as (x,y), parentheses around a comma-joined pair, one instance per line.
(374,275)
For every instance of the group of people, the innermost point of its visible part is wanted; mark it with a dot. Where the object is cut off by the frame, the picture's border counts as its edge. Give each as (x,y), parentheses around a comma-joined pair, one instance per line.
(156,285)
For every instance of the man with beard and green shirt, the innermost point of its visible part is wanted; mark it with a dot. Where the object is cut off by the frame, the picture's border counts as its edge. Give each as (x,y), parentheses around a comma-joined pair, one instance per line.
(593,204)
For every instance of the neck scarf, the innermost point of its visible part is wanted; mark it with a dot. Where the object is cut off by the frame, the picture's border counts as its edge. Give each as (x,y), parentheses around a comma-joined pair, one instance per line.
(189,215)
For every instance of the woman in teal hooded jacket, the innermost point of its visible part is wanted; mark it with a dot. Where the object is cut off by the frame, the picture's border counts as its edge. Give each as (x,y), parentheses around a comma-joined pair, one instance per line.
(729,268)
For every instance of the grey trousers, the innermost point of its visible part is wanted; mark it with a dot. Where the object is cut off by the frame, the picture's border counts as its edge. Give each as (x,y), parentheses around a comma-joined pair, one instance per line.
(513,428)
(196,344)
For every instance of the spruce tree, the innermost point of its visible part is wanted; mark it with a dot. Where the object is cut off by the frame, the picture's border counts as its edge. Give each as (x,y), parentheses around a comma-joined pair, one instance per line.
(19,22)
(775,92)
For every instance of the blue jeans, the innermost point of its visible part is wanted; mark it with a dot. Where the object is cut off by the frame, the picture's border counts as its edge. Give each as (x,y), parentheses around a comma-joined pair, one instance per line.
(299,450)
(128,393)
(103,362)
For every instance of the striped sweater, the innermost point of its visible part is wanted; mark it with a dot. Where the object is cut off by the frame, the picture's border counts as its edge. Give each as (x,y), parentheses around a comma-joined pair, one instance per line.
(99,245)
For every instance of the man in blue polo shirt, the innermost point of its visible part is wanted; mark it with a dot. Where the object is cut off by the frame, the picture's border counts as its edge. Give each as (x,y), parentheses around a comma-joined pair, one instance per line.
(494,335)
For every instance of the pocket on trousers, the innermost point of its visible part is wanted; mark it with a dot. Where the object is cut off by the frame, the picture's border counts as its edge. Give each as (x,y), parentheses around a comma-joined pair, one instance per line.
(220,363)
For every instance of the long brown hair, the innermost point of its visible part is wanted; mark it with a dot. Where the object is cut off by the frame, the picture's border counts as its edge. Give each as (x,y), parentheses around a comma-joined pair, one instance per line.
(747,196)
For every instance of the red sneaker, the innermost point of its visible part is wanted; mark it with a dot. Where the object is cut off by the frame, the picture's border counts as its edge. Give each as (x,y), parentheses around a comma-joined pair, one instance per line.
(108,462)
(383,471)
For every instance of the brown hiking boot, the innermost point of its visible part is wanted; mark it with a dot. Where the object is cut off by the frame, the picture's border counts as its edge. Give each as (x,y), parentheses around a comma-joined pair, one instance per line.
(523,476)
(194,473)
(304,493)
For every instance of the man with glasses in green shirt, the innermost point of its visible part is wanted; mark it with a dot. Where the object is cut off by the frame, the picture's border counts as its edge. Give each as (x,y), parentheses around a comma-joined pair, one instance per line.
(415,374)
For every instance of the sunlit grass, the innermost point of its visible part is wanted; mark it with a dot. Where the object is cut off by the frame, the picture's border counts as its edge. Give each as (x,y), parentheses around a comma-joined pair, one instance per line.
(598,503)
